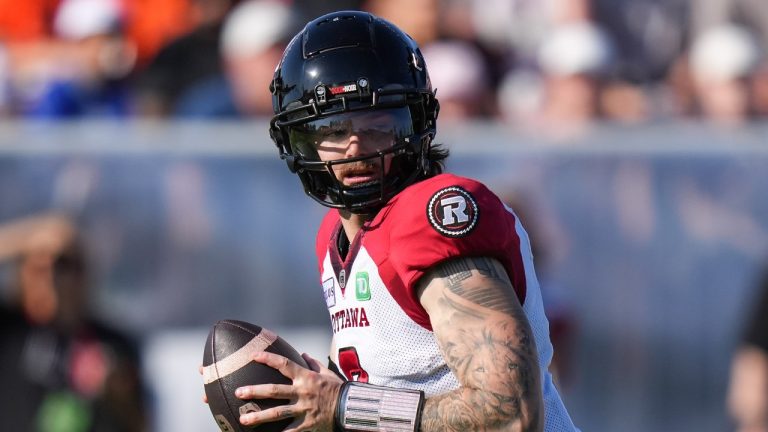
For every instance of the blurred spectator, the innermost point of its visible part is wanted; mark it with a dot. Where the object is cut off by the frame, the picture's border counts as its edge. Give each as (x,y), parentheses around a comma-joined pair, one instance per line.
(153,23)
(679,90)
(574,60)
(68,58)
(252,42)
(752,14)
(84,71)
(520,24)
(722,62)
(62,370)
(649,35)
(185,62)
(26,21)
(460,76)
(625,102)
(523,25)
(418,18)
(748,390)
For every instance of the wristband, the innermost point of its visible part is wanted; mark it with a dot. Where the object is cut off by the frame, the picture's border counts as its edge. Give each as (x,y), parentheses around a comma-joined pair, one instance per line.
(367,407)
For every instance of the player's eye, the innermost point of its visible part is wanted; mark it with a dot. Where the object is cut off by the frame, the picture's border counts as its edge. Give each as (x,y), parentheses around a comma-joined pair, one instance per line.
(376,134)
(333,134)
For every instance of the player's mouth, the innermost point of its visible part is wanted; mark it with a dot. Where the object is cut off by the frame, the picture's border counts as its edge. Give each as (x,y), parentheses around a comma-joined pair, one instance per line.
(360,179)
(359,176)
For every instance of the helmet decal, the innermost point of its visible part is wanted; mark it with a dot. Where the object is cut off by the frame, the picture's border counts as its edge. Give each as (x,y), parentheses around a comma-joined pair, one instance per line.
(320,93)
(346,88)
(415,62)
(453,212)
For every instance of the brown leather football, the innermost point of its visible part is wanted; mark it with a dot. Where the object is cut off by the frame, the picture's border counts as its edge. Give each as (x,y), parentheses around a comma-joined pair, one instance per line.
(227,365)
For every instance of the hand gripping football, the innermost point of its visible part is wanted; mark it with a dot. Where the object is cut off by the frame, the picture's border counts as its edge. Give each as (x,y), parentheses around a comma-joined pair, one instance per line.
(227,365)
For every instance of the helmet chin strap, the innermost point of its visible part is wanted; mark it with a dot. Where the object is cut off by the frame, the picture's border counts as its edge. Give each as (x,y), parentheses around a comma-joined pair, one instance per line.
(376,190)
(424,159)
(407,165)
(291,161)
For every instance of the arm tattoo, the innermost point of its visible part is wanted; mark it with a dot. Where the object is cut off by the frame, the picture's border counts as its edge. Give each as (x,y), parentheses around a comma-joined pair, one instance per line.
(486,267)
(457,271)
(487,342)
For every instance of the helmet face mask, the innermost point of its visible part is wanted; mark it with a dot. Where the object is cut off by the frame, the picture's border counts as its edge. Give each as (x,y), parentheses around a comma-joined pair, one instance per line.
(379,130)
(345,74)
(384,149)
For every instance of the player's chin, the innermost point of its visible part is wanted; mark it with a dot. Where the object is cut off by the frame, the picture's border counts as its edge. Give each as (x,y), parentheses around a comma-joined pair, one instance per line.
(362,185)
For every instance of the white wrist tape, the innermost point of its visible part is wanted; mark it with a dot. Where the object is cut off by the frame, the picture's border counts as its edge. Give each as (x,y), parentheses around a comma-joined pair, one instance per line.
(366,407)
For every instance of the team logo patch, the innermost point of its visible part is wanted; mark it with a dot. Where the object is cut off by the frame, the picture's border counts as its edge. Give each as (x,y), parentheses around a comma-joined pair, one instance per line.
(453,212)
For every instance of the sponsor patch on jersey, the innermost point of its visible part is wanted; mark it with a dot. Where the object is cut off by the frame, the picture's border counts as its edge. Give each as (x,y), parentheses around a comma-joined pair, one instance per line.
(329,292)
(362,287)
(342,280)
(453,212)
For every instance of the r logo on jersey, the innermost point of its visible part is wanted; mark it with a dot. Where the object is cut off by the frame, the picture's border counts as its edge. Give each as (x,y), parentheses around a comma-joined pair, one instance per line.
(452,212)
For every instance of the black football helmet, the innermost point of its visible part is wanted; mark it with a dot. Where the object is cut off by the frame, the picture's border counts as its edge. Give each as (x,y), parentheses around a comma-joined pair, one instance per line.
(344,64)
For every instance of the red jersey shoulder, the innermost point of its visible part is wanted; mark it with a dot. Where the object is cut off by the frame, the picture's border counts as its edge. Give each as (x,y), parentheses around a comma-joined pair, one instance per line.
(444,217)
(449,204)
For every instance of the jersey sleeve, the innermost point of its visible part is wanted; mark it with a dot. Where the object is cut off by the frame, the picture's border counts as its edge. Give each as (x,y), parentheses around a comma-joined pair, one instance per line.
(448,217)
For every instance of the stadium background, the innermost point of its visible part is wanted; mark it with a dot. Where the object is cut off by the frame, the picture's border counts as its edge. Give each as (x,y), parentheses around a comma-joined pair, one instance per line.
(650,224)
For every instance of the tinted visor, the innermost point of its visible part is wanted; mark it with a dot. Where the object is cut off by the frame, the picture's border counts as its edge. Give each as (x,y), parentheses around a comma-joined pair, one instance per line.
(378,130)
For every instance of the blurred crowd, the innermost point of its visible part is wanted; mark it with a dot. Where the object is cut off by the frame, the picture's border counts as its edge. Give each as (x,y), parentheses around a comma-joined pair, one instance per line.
(529,63)
(63,369)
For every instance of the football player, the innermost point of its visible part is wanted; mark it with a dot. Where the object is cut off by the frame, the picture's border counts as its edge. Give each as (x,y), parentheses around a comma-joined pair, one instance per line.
(437,318)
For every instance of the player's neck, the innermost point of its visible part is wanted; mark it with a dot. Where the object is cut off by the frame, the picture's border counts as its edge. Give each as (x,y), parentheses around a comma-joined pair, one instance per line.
(352,223)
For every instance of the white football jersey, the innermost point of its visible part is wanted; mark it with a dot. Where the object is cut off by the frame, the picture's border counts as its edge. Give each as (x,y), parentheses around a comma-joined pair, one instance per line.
(382,334)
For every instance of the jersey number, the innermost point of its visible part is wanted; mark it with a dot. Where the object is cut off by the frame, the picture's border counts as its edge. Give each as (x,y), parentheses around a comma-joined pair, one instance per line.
(349,362)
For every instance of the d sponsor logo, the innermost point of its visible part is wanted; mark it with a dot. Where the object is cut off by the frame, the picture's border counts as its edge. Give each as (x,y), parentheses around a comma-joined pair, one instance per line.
(362,287)
(452,212)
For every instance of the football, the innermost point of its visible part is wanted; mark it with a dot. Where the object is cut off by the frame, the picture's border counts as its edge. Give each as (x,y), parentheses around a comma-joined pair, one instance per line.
(227,365)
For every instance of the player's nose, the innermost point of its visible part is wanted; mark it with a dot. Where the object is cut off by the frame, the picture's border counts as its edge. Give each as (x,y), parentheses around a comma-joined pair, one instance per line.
(354,146)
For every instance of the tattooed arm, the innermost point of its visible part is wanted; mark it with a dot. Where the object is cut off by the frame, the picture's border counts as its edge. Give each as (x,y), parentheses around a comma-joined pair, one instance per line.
(487,342)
